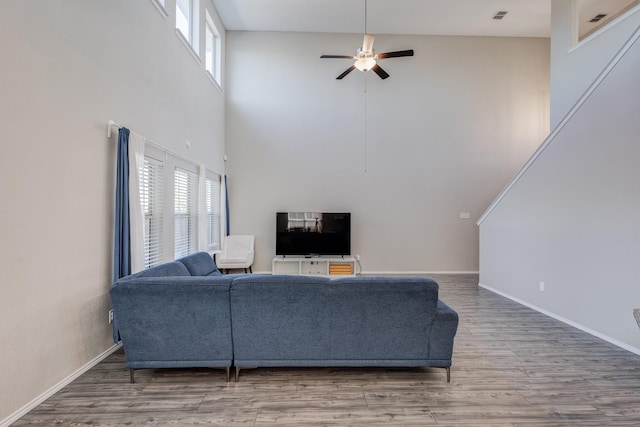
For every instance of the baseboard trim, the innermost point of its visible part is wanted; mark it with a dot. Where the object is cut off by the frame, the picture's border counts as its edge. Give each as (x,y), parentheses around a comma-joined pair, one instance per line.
(405,273)
(56,388)
(397,273)
(583,328)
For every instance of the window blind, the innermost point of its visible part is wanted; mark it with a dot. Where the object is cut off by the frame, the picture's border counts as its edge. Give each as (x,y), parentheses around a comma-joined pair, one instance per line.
(151,191)
(185,212)
(212,202)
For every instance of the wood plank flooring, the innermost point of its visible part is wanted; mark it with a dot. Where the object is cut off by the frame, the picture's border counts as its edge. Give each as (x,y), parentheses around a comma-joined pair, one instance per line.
(512,367)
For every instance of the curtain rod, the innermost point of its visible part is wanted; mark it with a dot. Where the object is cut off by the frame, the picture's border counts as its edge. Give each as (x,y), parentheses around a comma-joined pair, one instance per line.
(165,150)
(110,124)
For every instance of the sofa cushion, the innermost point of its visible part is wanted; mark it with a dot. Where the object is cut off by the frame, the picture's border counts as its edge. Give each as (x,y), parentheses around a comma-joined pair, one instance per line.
(280,318)
(200,264)
(382,318)
(173,268)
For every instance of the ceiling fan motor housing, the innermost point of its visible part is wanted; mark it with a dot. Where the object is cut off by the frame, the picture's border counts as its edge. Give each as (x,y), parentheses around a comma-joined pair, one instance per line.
(365,60)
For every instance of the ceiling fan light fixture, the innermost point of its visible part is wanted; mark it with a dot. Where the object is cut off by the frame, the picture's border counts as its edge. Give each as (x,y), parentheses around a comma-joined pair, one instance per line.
(365,64)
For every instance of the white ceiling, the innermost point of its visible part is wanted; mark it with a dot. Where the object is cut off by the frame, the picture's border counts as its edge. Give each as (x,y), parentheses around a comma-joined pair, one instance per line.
(526,18)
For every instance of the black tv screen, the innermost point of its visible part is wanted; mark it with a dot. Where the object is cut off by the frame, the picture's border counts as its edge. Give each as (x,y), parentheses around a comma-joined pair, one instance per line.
(313,233)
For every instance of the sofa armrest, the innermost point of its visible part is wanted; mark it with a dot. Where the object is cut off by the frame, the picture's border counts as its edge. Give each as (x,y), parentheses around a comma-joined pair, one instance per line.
(443,330)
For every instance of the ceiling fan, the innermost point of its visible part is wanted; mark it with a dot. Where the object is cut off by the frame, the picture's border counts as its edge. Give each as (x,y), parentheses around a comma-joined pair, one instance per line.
(366,58)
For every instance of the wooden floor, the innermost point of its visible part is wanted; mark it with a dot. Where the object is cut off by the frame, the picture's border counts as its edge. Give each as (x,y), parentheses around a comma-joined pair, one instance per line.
(512,367)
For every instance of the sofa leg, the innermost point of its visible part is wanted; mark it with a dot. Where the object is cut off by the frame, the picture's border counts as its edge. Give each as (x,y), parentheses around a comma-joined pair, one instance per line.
(242,367)
(228,372)
(448,368)
(132,376)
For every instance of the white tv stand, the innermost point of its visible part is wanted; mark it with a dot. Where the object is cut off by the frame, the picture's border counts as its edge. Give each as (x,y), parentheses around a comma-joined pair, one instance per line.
(333,266)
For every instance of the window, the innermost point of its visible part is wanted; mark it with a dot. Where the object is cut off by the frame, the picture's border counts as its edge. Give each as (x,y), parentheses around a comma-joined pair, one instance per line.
(212,48)
(159,4)
(212,202)
(186,213)
(187,22)
(151,189)
(183,17)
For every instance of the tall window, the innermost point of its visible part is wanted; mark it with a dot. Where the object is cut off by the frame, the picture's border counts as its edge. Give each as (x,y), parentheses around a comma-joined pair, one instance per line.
(184,10)
(186,212)
(187,22)
(212,48)
(212,202)
(151,189)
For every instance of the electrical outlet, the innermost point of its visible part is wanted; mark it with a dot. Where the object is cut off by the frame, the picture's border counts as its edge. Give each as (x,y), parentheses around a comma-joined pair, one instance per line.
(111,316)
(541,286)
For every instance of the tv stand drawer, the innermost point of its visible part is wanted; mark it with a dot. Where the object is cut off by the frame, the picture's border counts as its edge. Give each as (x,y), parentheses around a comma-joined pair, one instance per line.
(314,266)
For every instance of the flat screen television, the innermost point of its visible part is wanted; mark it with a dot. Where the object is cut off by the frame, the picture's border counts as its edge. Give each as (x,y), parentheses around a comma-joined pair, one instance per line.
(313,233)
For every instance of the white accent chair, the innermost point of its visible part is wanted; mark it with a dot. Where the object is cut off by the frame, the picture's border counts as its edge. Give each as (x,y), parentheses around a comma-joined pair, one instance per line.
(236,253)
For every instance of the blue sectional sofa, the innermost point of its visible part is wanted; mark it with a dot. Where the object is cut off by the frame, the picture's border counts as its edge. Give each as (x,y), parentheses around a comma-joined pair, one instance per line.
(175,315)
(363,321)
(187,318)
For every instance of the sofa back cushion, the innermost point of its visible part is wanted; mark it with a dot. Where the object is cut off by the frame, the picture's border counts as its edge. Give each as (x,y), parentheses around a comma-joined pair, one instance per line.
(280,317)
(382,318)
(173,268)
(200,264)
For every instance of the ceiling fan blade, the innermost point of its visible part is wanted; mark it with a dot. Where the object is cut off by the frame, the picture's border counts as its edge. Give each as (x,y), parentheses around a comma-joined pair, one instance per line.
(337,56)
(395,54)
(380,72)
(347,71)
(367,43)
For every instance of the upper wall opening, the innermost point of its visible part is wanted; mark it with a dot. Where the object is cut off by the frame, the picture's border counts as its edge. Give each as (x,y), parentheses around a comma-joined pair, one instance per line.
(589,16)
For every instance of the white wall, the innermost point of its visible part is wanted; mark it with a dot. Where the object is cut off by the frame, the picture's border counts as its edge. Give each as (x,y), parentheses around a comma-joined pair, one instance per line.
(68,66)
(444,135)
(571,220)
(574,68)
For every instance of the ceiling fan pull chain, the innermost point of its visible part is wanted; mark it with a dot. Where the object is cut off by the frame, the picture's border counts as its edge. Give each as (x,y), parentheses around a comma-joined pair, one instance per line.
(366,122)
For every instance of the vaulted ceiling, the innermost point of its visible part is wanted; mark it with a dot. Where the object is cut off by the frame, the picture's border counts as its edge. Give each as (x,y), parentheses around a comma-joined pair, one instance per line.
(524,18)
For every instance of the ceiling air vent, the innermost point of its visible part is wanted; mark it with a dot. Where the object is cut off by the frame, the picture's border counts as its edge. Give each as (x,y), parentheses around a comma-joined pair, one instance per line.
(598,17)
(500,15)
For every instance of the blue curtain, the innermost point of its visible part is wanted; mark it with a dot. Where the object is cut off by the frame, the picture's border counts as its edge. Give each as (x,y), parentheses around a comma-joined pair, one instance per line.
(226,203)
(122,243)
